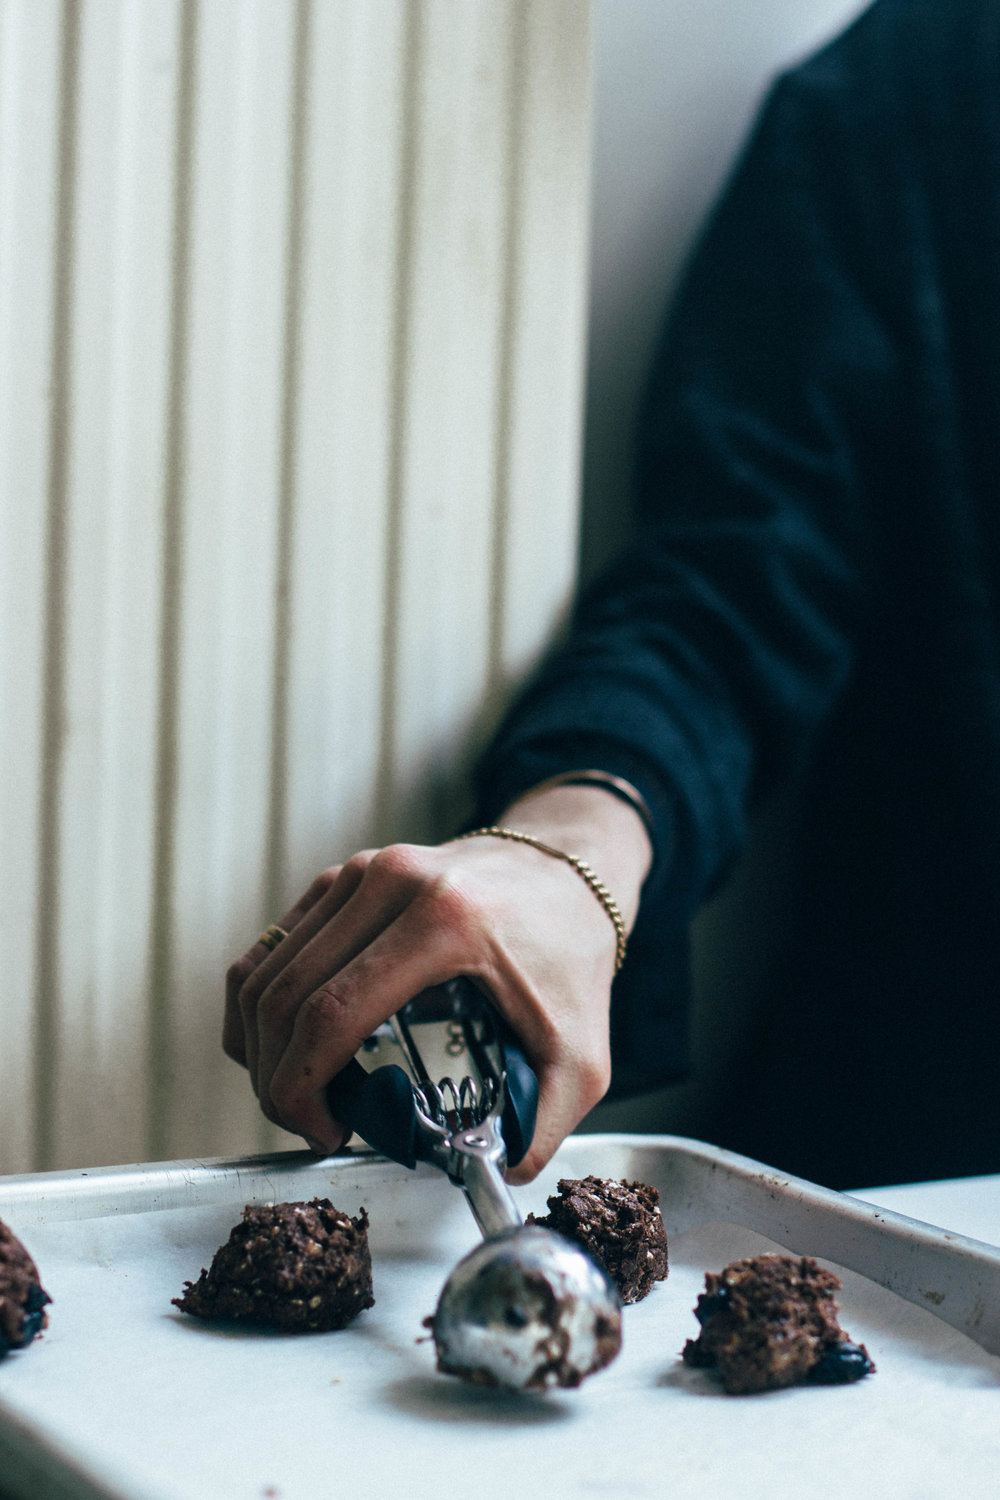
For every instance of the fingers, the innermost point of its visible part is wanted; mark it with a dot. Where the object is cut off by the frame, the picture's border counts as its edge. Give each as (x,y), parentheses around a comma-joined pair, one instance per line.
(277,974)
(407,957)
(250,974)
(566,1092)
(324,1032)
(336,933)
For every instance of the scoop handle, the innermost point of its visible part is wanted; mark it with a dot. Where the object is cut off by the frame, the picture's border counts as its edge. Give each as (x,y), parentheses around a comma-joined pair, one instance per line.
(379,1107)
(521,1104)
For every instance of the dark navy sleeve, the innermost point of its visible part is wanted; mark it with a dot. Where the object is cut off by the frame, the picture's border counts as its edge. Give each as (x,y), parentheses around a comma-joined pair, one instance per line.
(700,665)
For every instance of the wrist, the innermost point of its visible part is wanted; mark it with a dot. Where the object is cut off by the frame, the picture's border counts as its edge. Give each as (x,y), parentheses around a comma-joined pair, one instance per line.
(594,824)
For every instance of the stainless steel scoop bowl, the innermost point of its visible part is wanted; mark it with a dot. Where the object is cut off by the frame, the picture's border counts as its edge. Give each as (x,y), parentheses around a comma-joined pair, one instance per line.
(527,1310)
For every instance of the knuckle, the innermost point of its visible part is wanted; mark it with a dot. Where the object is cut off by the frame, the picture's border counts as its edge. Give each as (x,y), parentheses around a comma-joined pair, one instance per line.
(238,973)
(528,1167)
(280,1107)
(248,997)
(289,1100)
(396,864)
(453,905)
(232,1043)
(278,998)
(321,1014)
(449,906)
(285,1101)
(594,1077)
(324,880)
(358,862)
(269,1107)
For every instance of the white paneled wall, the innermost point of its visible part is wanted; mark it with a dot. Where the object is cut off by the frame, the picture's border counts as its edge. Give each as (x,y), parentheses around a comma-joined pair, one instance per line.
(291,330)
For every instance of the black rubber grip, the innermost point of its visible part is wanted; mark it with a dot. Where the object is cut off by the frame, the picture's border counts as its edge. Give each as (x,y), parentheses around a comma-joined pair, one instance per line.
(379,1107)
(521,1108)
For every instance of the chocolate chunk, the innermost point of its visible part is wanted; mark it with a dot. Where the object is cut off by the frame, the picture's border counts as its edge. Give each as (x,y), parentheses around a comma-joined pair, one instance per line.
(771,1321)
(842,1363)
(23,1300)
(619,1224)
(300,1267)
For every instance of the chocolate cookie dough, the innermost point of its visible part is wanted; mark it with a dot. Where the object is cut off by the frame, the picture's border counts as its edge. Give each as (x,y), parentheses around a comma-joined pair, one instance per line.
(23,1300)
(300,1267)
(771,1321)
(619,1224)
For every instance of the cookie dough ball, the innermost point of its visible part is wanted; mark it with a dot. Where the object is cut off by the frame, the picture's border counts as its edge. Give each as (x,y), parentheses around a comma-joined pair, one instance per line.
(619,1224)
(300,1267)
(23,1300)
(771,1321)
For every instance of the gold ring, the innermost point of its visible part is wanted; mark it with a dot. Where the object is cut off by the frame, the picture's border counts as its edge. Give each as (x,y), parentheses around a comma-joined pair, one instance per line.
(272,936)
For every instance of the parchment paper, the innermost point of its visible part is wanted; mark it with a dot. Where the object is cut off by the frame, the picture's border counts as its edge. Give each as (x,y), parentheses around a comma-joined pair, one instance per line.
(166,1408)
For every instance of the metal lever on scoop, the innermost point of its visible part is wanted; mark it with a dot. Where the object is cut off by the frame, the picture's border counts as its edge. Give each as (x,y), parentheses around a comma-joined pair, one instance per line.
(406,1115)
(474,1159)
(484,1154)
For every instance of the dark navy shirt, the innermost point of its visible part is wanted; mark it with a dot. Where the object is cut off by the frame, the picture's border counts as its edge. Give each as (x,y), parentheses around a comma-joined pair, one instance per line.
(812,596)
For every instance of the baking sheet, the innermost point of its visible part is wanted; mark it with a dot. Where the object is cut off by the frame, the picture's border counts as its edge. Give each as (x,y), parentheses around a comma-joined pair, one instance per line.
(126,1397)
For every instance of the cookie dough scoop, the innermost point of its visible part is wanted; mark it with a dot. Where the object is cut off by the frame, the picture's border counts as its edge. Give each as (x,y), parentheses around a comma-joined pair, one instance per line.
(527,1309)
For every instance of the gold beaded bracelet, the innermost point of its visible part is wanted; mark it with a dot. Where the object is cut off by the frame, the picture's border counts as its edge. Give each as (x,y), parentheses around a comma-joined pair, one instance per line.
(581,867)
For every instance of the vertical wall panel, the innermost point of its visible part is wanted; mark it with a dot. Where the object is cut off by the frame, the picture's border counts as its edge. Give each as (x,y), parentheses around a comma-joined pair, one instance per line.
(30,57)
(233,382)
(117,371)
(456,284)
(354,241)
(286,285)
(541,437)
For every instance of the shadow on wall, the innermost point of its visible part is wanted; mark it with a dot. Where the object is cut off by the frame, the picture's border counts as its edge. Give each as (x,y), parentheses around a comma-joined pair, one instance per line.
(676,86)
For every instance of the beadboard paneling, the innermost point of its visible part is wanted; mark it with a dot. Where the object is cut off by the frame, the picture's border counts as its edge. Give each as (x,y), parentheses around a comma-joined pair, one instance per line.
(291,308)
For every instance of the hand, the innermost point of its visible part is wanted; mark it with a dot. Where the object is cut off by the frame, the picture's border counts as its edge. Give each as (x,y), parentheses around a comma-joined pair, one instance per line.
(373,932)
